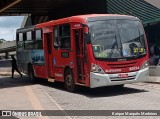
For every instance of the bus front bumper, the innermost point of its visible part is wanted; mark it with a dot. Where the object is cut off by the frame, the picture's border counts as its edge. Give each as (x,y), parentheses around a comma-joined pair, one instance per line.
(100,80)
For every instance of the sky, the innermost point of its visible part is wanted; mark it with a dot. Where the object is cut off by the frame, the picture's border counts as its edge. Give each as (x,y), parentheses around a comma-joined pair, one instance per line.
(8,26)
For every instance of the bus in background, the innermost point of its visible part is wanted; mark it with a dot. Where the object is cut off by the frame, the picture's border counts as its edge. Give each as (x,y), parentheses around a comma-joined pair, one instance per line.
(88,50)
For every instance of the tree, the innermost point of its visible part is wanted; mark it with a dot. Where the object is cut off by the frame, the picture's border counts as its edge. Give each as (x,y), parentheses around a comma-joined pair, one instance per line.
(2,40)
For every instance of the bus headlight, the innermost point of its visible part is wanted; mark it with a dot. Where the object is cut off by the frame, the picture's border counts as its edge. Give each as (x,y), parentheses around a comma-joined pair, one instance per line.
(96,69)
(145,64)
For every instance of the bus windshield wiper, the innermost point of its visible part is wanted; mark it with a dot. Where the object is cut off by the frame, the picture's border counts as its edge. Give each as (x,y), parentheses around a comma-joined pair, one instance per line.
(113,46)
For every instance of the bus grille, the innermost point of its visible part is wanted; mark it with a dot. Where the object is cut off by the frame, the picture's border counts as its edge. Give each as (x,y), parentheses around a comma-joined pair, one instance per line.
(123,79)
(122,65)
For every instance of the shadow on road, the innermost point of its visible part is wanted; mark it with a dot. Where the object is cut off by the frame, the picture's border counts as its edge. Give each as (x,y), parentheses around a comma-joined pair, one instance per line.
(108,91)
(97,92)
(7,82)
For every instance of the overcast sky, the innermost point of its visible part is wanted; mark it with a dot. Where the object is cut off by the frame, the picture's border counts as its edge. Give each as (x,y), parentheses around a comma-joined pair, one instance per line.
(8,26)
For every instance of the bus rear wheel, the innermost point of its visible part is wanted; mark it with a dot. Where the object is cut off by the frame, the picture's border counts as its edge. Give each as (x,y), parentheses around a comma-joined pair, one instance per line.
(31,75)
(69,81)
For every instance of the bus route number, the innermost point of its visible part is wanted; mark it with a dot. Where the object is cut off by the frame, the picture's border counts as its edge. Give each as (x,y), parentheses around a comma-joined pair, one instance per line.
(140,50)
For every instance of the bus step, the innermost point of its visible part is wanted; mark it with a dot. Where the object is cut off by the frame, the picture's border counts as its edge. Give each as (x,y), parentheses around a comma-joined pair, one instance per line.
(80,84)
(51,80)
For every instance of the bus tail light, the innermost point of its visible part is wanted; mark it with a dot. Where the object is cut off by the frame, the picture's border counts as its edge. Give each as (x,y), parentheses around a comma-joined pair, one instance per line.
(96,69)
(145,64)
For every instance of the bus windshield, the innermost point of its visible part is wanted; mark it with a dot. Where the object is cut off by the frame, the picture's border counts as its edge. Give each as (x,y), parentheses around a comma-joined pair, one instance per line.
(117,39)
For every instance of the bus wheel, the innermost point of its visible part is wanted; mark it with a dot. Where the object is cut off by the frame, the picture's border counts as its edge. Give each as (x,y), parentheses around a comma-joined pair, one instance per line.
(69,80)
(31,75)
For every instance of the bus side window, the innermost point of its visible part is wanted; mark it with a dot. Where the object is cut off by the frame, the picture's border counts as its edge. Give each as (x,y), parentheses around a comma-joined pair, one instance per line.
(64,36)
(56,44)
(77,42)
(38,39)
(29,43)
(20,37)
(38,34)
(29,35)
(20,43)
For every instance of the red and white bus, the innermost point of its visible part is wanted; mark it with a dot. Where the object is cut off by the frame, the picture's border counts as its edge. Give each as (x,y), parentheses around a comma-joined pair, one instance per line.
(89,50)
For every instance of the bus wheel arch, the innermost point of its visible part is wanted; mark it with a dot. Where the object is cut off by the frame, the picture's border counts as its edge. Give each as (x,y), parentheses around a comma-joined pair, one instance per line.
(31,74)
(69,81)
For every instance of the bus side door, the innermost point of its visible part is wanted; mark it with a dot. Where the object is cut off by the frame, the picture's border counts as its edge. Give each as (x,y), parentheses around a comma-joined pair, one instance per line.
(49,54)
(80,59)
(63,54)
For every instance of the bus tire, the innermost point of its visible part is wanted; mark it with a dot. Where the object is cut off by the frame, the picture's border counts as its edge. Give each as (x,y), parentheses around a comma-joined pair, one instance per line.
(31,75)
(69,80)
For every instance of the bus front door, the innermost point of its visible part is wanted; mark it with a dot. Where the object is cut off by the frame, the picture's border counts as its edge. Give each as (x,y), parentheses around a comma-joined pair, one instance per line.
(49,54)
(79,41)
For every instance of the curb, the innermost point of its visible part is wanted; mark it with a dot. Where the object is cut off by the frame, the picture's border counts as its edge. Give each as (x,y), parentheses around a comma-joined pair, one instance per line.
(7,73)
(153,79)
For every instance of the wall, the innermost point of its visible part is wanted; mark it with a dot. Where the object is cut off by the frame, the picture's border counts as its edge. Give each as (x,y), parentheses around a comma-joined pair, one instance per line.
(7,44)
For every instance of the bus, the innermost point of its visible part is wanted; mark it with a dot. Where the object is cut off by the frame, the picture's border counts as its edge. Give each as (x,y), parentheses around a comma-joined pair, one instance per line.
(94,50)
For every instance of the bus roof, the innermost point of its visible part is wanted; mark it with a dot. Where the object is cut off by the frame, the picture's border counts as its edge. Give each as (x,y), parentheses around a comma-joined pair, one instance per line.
(28,28)
(85,18)
(102,15)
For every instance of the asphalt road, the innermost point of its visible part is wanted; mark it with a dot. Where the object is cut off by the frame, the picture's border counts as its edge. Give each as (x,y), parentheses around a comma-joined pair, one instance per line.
(141,96)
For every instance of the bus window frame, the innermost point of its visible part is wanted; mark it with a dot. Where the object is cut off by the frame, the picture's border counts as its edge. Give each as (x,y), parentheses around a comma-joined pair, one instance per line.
(22,36)
(32,34)
(20,41)
(56,38)
(36,35)
(59,38)
(29,41)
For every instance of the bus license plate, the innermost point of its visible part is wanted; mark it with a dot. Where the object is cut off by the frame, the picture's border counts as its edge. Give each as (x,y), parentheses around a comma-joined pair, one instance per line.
(123,75)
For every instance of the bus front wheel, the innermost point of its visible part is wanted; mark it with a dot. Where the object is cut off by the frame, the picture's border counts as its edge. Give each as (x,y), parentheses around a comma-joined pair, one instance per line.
(69,81)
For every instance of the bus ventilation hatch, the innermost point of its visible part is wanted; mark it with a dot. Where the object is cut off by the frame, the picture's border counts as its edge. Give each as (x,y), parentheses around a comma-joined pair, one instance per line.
(122,65)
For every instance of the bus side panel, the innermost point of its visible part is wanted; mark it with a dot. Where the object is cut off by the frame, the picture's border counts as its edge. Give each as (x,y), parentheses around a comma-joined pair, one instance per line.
(59,74)
(62,59)
(40,71)
(23,59)
(90,59)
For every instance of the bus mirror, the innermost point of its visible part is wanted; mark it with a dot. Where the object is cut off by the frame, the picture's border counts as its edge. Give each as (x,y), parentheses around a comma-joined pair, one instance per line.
(87,38)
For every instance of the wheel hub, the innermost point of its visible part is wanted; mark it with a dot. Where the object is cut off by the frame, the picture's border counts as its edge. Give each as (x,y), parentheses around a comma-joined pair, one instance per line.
(69,80)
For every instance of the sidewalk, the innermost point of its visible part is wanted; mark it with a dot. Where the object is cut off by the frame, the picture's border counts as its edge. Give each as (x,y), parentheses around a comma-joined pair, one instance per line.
(19,94)
(154,79)
(9,74)
(6,71)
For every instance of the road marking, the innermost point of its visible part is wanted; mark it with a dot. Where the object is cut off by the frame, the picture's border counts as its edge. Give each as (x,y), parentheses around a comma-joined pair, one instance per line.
(58,106)
(34,101)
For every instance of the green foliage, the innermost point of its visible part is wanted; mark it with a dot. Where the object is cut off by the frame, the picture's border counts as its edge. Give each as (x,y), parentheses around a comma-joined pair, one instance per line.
(2,40)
